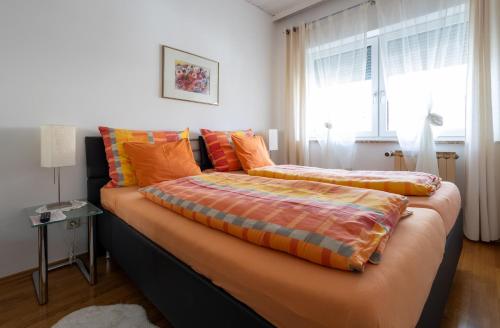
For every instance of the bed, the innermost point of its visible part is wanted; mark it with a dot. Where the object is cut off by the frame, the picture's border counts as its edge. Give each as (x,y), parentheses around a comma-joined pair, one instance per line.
(252,295)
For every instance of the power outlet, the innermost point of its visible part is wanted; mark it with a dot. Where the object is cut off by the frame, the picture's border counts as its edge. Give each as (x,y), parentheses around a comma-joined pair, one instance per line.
(72,224)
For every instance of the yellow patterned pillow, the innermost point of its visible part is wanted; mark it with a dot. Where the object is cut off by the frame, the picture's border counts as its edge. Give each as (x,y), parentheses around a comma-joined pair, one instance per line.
(120,168)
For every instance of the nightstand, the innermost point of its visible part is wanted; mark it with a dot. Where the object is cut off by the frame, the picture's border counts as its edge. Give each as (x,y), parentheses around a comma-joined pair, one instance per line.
(40,277)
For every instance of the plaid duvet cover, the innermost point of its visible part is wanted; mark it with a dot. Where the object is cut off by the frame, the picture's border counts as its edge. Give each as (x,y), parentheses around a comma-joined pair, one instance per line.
(398,182)
(331,225)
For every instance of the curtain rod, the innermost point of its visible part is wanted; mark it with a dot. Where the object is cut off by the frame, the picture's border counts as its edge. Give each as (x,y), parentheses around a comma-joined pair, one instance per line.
(371,2)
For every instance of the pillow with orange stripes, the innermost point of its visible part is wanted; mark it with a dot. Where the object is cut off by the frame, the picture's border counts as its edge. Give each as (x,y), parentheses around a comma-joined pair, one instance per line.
(220,148)
(120,168)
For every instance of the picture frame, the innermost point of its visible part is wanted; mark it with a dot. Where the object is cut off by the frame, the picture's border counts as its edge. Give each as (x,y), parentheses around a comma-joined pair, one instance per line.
(189,77)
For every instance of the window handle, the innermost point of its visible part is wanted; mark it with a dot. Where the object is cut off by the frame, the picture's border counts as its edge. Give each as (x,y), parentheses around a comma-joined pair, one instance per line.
(383,98)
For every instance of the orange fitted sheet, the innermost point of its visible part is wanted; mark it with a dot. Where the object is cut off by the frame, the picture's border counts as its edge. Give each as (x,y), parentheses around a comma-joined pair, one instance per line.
(446,201)
(291,292)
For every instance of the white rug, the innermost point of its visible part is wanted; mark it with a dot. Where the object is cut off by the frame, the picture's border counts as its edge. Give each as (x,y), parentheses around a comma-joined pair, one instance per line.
(109,316)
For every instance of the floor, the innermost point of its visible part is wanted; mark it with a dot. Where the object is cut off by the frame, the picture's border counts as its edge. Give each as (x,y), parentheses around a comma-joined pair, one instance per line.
(68,292)
(474,300)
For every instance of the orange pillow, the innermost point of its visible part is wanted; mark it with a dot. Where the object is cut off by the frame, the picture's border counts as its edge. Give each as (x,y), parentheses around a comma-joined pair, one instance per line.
(159,162)
(251,151)
(220,151)
(120,169)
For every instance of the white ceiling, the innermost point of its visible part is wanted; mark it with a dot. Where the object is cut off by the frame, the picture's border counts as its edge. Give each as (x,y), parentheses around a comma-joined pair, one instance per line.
(274,7)
(282,8)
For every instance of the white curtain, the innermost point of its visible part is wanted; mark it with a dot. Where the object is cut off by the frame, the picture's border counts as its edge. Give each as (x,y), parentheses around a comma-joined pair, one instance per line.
(296,142)
(338,89)
(481,212)
(424,57)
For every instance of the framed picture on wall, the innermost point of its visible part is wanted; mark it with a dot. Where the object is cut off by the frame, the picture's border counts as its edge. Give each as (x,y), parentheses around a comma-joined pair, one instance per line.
(189,77)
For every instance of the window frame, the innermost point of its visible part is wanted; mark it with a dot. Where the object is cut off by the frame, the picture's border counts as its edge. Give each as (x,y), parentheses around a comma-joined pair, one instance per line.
(375,70)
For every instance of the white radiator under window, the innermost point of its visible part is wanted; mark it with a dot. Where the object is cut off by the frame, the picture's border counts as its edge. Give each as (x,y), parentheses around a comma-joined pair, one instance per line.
(446,163)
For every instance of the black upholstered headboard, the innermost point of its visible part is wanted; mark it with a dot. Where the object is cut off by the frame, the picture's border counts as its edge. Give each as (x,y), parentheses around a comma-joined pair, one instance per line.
(98,171)
(97,168)
(205,162)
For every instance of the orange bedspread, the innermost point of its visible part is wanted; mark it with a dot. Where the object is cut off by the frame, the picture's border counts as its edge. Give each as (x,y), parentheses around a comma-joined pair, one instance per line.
(398,182)
(291,292)
(327,224)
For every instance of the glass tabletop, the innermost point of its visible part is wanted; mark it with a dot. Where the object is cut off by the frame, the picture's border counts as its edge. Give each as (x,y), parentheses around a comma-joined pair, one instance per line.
(85,211)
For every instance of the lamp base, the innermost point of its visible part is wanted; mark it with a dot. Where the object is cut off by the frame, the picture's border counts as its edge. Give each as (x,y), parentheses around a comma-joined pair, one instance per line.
(56,206)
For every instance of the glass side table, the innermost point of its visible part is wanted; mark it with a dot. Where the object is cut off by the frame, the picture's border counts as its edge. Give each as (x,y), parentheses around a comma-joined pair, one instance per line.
(40,277)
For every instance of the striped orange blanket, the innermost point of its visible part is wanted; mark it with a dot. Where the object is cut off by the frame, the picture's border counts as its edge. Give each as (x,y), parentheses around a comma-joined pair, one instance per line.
(398,182)
(335,226)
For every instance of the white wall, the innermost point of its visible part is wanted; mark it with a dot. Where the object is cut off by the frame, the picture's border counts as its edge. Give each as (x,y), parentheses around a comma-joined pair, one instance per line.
(97,62)
(369,156)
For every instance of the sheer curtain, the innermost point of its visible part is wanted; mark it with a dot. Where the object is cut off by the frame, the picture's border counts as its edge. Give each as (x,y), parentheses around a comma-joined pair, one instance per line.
(424,57)
(481,213)
(337,86)
(296,140)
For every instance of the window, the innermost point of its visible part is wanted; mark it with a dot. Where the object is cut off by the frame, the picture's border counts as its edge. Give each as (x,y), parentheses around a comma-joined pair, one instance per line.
(441,71)
(351,75)
(360,101)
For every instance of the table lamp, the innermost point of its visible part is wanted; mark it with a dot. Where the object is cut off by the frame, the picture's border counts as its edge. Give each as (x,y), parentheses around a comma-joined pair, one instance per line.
(58,144)
(272,138)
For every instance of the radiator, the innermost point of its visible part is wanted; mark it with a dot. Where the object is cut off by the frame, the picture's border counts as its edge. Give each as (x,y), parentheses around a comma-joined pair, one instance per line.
(446,163)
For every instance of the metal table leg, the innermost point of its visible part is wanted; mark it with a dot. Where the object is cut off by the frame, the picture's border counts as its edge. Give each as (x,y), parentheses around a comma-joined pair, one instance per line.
(92,250)
(40,277)
(89,273)
(40,280)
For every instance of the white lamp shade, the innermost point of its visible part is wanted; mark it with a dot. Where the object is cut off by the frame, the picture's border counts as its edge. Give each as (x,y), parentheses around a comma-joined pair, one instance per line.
(273,139)
(58,144)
